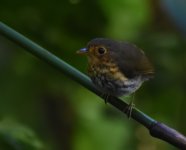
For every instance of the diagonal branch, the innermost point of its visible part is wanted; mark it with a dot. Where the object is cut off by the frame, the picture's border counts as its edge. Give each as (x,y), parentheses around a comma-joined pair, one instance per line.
(156,129)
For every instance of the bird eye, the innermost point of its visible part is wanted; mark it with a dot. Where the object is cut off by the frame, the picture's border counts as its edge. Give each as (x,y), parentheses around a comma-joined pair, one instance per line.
(101,50)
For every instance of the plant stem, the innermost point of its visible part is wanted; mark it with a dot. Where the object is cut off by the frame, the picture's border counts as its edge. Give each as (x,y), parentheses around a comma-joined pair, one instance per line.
(156,129)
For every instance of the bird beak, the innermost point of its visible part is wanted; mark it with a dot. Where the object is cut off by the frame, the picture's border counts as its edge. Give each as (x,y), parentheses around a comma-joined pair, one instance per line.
(82,51)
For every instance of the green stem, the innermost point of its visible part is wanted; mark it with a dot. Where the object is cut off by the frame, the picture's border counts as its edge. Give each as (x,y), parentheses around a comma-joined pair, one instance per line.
(59,64)
(76,75)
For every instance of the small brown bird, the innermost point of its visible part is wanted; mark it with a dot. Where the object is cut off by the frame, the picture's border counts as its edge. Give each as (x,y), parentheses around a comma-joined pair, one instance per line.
(116,68)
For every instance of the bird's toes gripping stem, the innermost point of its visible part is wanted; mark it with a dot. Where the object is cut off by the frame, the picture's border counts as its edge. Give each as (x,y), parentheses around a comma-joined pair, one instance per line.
(105,97)
(128,109)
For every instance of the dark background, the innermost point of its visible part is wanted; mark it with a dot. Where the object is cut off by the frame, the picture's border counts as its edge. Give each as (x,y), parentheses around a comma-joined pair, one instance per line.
(42,109)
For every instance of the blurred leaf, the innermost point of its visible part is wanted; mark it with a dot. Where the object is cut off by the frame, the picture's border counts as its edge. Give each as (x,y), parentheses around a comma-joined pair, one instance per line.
(17,136)
(126,17)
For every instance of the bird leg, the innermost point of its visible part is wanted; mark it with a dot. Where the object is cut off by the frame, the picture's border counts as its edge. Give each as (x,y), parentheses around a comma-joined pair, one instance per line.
(128,109)
(105,97)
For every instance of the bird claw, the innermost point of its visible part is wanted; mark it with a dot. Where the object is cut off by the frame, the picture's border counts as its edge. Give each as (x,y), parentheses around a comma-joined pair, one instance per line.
(128,109)
(105,97)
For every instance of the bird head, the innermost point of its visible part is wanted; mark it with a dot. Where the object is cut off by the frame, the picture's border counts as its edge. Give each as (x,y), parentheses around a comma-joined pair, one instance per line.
(97,50)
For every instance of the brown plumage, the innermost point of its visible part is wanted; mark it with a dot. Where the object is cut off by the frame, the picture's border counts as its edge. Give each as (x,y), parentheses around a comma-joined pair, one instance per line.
(117,68)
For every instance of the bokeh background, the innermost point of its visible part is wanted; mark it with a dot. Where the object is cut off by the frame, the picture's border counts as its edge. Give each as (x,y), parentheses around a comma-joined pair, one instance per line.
(42,109)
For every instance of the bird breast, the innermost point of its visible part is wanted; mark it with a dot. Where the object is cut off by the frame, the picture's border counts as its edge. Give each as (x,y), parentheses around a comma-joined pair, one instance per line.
(108,69)
(108,79)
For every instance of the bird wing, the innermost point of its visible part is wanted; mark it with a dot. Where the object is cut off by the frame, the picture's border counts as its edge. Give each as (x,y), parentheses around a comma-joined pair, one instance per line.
(132,61)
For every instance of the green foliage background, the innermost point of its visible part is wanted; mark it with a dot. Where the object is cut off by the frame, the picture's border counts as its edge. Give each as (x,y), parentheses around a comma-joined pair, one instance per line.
(42,109)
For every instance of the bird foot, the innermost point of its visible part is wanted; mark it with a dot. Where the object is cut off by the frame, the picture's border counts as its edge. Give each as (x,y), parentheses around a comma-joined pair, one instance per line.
(105,97)
(128,109)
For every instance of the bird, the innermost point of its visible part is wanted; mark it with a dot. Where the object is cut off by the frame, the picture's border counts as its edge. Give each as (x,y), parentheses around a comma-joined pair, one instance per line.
(117,68)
